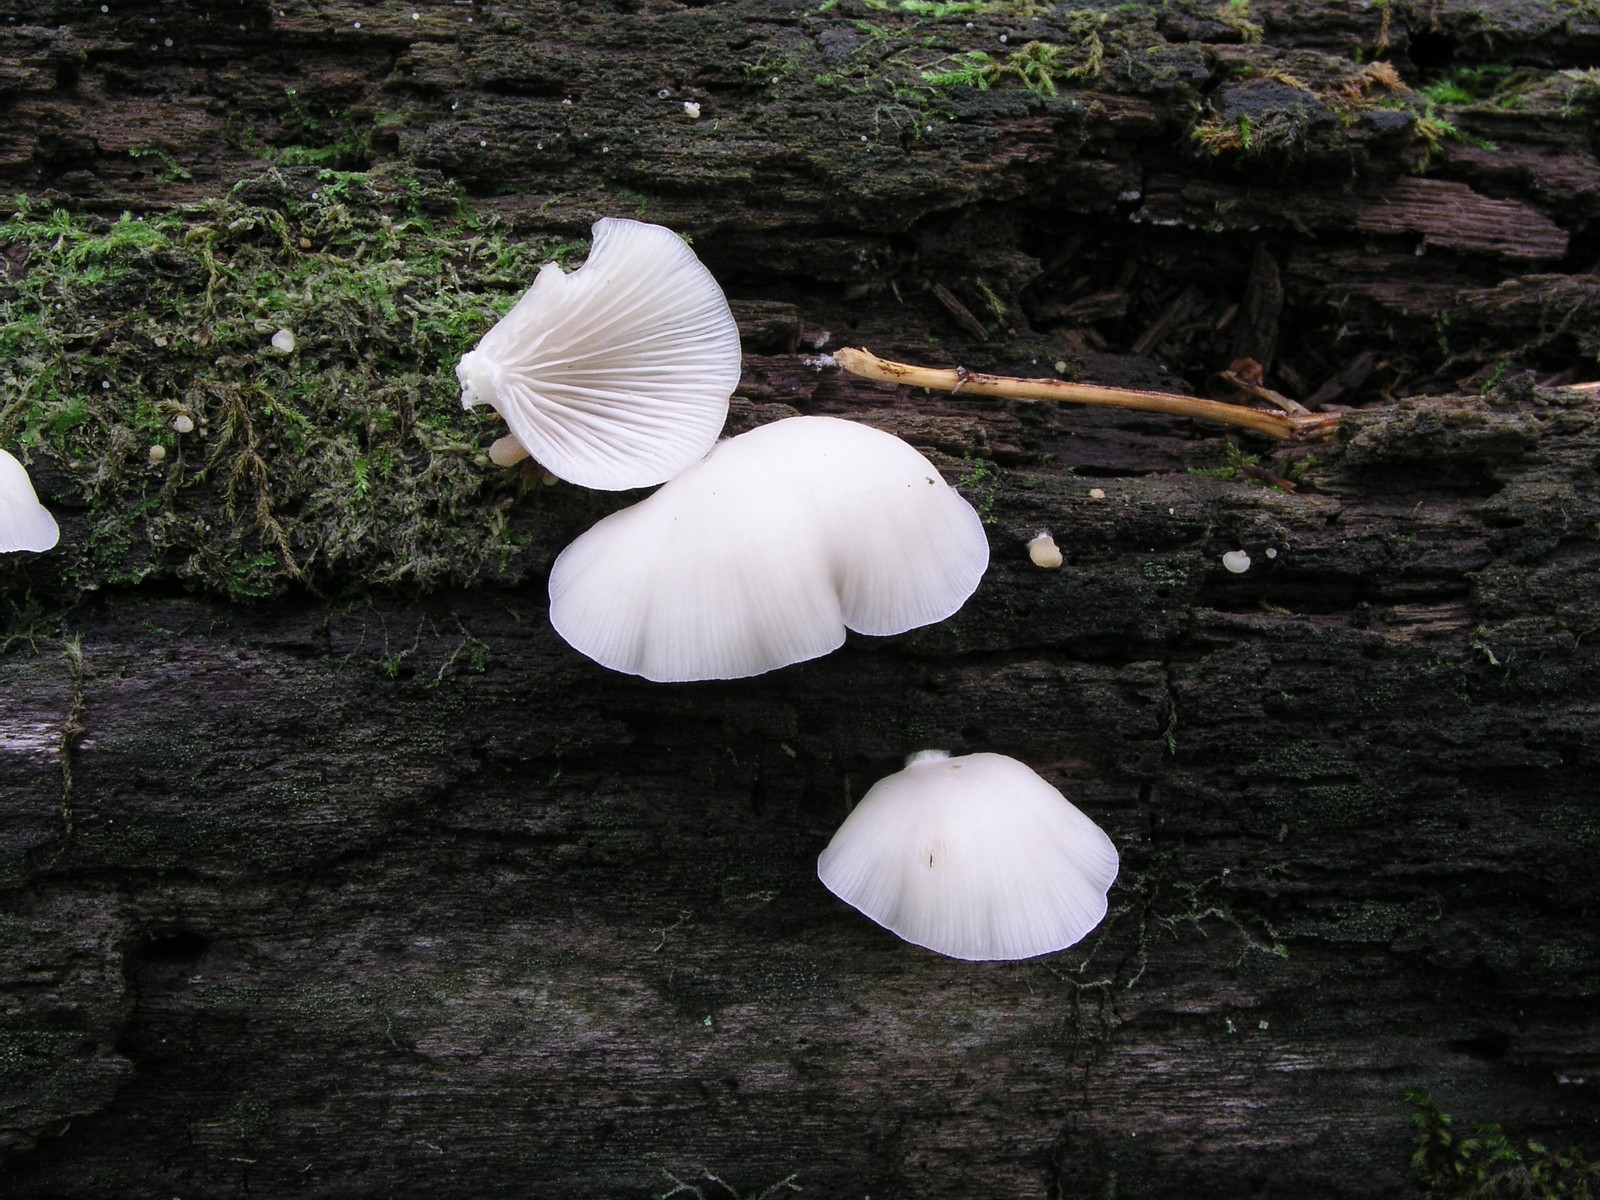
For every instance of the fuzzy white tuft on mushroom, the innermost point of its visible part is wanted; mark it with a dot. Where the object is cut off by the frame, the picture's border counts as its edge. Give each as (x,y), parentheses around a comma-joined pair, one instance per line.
(25,524)
(763,553)
(616,375)
(975,857)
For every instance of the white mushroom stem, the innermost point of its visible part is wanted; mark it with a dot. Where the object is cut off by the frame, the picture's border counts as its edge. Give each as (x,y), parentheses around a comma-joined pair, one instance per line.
(1288,427)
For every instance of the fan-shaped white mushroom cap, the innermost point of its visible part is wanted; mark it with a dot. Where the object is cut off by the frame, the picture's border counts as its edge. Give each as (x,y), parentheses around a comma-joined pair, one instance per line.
(976,857)
(765,551)
(25,524)
(617,375)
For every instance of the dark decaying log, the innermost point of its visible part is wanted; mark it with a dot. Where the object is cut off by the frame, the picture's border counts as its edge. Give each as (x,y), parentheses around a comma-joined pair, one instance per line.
(366,888)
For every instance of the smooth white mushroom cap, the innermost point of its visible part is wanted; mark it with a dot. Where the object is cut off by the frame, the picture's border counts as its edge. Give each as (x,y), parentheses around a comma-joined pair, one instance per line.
(765,551)
(905,548)
(618,374)
(25,524)
(975,857)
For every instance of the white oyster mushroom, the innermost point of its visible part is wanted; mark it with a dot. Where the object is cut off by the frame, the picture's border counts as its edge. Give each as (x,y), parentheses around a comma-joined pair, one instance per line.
(763,553)
(975,857)
(25,524)
(616,375)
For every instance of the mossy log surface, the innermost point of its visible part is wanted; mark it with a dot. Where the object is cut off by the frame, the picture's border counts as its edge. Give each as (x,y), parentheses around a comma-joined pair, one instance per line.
(326,868)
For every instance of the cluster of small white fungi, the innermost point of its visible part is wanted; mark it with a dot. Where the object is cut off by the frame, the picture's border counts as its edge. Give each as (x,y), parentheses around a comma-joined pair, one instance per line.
(761,551)
(755,553)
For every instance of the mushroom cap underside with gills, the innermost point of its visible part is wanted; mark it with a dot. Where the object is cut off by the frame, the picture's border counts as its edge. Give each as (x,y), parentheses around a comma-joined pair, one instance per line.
(618,374)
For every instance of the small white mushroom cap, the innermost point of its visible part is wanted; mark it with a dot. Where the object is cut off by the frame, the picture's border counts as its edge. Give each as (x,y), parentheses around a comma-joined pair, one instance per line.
(765,551)
(1237,561)
(25,524)
(618,374)
(974,857)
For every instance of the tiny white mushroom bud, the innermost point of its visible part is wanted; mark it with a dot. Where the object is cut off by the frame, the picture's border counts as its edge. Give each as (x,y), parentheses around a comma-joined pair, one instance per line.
(1044,552)
(507,452)
(283,341)
(1097,493)
(1236,561)
(183,423)
(1272,552)
(691,109)
(157,454)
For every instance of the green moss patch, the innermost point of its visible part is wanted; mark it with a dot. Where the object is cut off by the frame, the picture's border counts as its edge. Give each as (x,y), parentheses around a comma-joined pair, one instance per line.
(140,382)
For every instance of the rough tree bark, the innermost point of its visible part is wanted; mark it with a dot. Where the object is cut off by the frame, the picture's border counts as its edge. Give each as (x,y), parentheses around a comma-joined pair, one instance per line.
(327,869)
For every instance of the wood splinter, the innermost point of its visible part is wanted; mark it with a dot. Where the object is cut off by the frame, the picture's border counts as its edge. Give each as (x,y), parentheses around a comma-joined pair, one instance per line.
(1285,426)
